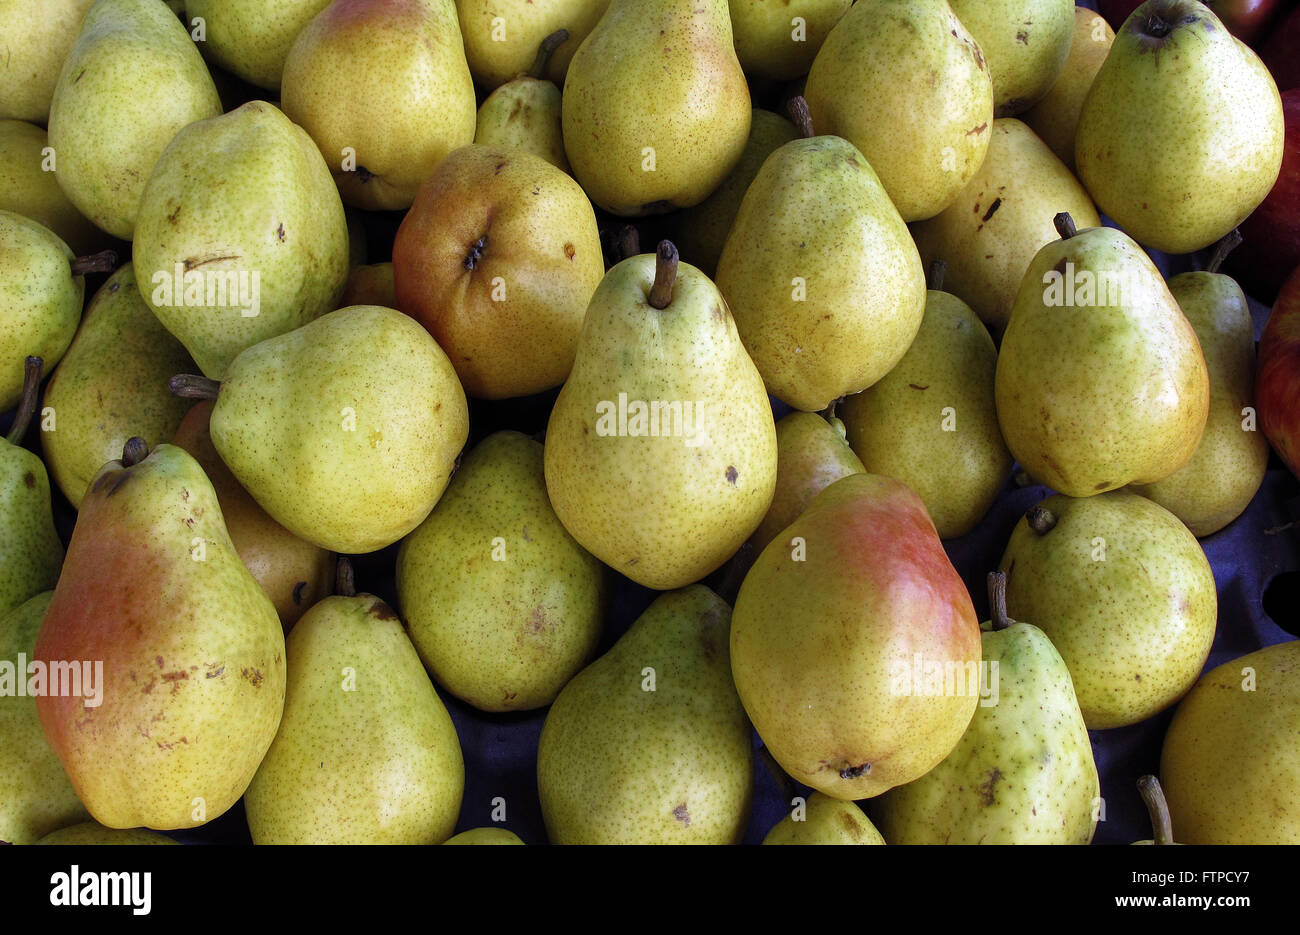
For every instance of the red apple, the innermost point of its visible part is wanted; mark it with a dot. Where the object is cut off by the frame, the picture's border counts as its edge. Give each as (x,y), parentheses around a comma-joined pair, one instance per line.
(1277,383)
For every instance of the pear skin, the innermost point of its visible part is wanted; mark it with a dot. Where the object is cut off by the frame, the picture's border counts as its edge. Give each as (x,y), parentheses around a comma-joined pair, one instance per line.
(27,188)
(824,820)
(501,36)
(484,836)
(1055,118)
(251,39)
(36,47)
(525,113)
(1026,43)
(780,41)
(93,833)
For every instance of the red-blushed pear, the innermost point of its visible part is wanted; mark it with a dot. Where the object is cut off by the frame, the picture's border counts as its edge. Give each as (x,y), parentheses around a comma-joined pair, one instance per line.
(1277,382)
(180,654)
(854,645)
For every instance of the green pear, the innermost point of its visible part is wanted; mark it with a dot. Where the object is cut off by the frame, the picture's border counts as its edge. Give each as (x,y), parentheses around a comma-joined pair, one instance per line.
(1162,825)
(36,43)
(1243,713)
(1221,479)
(931,421)
(844,631)
(1181,135)
(132,80)
(704,227)
(1023,773)
(1100,379)
(35,794)
(501,36)
(345,431)
(29,188)
(502,604)
(820,272)
(366,752)
(91,832)
(251,38)
(1124,593)
(484,836)
(649,744)
(904,82)
(1026,43)
(232,251)
(991,233)
(811,454)
(656,110)
(780,41)
(823,820)
(524,113)
(1055,118)
(188,654)
(662,400)
(110,386)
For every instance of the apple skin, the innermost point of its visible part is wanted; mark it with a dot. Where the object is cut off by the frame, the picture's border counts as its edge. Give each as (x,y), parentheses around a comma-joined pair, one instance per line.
(1248,20)
(1279,55)
(1277,384)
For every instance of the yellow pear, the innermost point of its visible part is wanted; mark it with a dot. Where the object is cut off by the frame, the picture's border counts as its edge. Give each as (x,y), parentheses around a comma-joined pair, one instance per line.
(819,819)
(779,41)
(28,187)
(37,41)
(525,113)
(1056,116)
(501,36)
(1026,43)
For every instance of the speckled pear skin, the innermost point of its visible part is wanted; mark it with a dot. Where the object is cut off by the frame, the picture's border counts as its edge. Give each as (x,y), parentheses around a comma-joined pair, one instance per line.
(243,193)
(1125,594)
(1108,388)
(345,430)
(1180,137)
(497,56)
(501,602)
(1023,773)
(92,833)
(35,794)
(192,651)
(36,47)
(620,765)
(26,189)
(484,836)
(1055,118)
(931,421)
(768,46)
(366,752)
(132,80)
(524,114)
(251,38)
(825,821)
(1257,801)
(1026,43)
(31,553)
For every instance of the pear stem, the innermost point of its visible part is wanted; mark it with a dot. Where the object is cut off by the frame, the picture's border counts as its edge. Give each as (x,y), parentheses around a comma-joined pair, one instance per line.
(629,241)
(105,261)
(829,412)
(193,386)
(1161,826)
(661,293)
(134,451)
(26,402)
(1231,241)
(1041,519)
(998,600)
(345,582)
(1065,225)
(798,111)
(934,281)
(545,51)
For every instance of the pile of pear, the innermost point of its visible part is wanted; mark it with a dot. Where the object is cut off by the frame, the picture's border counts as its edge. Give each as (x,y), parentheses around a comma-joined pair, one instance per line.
(914,265)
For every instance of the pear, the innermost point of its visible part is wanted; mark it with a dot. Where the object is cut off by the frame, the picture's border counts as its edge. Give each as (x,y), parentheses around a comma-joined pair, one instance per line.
(649,744)
(851,699)
(35,47)
(232,251)
(663,400)
(931,421)
(192,681)
(132,80)
(525,113)
(30,551)
(811,454)
(26,187)
(1243,713)
(1023,773)
(1124,593)
(502,604)
(1003,217)
(345,431)
(501,36)
(825,282)
(704,227)
(366,752)
(251,38)
(1055,118)
(1162,826)
(484,836)
(293,573)
(823,820)
(656,110)
(780,41)
(370,285)
(110,386)
(1026,43)
(1181,135)
(498,258)
(35,794)
(1100,380)
(93,833)
(1221,479)
(904,82)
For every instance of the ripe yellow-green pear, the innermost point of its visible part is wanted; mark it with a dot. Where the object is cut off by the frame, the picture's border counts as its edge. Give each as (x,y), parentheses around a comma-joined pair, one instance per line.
(822,820)
(501,36)
(28,187)
(1181,135)
(370,285)
(383,88)
(1056,117)
(525,112)
(37,41)
(779,41)
(251,38)
(1025,42)
(1125,594)
(487,835)
(656,109)
(1153,796)
(904,82)
(91,832)
(989,235)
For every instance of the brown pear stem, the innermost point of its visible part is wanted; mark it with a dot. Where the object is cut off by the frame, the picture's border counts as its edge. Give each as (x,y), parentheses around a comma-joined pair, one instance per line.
(1041,519)
(545,51)
(798,110)
(105,261)
(345,582)
(998,600)
(1161,826)
(629,241)
(661,293)
(1065,225)
(134,451)
(193,386)
(26,402)
(1231,241)
(934,280)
